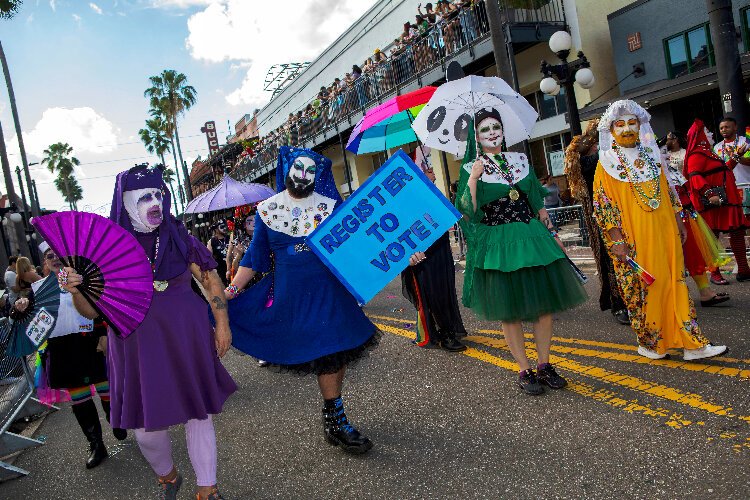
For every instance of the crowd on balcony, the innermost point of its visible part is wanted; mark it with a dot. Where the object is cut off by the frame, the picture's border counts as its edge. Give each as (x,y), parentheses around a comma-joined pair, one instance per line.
(437,31)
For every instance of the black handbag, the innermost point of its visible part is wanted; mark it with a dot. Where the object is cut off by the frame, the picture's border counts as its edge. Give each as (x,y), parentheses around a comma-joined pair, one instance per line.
(719,191)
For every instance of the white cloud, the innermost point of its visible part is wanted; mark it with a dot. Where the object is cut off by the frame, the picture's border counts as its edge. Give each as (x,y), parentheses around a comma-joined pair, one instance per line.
(85,130)
(53,5)
(30,19)
(96,8)
(179,4)
(77,19)
(258,35)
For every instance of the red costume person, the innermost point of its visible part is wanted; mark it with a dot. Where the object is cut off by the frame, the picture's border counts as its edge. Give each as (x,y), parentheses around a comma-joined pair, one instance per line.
(714,194)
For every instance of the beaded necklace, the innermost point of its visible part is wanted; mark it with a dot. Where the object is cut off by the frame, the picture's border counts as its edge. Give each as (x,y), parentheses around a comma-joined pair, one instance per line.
(504,170)
(159,285)
(733,150)
(644,199)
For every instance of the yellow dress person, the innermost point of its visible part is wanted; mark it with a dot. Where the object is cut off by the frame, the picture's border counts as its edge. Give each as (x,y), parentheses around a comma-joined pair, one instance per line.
(639,217)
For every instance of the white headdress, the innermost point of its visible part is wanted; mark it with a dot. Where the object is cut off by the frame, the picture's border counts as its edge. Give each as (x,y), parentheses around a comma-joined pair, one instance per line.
(618,109)
(608,157)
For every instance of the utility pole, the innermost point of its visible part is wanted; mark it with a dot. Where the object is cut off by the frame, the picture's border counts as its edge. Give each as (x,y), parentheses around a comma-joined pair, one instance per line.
(17,123)
(23,196)
(728,67)
(499,42)
(7,175)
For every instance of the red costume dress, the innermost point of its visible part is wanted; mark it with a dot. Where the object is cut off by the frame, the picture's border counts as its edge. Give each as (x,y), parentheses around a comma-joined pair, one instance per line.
(705,172)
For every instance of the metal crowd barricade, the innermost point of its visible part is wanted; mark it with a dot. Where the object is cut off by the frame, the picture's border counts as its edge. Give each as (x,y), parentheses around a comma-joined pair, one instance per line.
(572,230)
(16,402)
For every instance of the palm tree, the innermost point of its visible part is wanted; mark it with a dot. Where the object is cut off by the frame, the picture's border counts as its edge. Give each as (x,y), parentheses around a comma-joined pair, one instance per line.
(9,8)
(168,176)
(155,138)
(170,93)
(70,189)
(169,129)
(58,159)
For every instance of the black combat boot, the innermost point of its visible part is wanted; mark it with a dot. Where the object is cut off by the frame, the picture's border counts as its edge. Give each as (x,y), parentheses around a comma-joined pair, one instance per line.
(88,419)
(338,431)
(120,434)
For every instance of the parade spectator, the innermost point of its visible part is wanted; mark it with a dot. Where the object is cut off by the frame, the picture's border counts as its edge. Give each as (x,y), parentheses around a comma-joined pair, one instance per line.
(25,275)
(217,245)
(429,13)
(639,217)
(714,194)
(10,281)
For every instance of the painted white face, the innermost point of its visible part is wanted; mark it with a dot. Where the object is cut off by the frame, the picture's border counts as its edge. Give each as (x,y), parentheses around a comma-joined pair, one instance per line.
(626,130)
(709,135)
(150,207)
(302,173)
(490,133)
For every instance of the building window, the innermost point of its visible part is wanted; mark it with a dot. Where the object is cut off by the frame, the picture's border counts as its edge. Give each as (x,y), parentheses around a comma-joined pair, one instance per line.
(550,106)
(554,149)
(689,51)
(745,22)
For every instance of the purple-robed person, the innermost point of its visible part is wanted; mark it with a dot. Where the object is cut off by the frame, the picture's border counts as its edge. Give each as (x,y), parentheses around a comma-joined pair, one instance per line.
(167,372)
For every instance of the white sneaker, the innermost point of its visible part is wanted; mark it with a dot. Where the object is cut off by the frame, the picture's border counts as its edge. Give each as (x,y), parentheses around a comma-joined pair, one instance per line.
(648,353)
(707,351)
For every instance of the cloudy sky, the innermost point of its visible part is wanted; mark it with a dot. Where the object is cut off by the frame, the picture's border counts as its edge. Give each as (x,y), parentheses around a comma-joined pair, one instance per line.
(79,70)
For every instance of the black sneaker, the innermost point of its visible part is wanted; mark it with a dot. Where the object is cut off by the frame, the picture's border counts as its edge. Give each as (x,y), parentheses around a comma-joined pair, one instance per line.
(529,384)
(549,377)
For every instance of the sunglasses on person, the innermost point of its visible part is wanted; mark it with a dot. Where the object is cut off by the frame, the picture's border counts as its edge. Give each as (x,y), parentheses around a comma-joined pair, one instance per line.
(50,256)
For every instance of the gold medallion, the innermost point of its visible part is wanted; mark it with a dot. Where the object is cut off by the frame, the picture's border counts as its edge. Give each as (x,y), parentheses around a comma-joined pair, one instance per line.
(653,203)
(513,195)
(160,286)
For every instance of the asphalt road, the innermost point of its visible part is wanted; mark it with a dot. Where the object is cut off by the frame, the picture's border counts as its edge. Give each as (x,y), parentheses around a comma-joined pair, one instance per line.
(455,426)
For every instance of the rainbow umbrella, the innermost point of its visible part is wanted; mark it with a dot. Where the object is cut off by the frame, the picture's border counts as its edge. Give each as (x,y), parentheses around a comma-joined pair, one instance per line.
(389,125)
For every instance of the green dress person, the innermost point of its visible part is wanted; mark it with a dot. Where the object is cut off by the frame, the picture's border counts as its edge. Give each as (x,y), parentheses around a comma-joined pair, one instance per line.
(515,270)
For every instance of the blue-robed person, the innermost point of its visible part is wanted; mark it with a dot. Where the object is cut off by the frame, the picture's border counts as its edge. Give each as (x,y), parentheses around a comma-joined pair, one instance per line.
(299,316)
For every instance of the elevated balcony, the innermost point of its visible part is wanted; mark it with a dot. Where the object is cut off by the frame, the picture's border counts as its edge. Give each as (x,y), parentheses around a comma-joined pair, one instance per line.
(464,38)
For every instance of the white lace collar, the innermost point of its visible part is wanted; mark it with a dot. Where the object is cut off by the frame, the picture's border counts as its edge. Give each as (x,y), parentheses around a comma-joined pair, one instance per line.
(294,217)
(518,168)
(640,171)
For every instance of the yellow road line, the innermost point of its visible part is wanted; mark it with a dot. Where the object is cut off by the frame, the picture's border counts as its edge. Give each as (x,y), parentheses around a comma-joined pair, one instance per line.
(731,372)
(608,397)
(628,381)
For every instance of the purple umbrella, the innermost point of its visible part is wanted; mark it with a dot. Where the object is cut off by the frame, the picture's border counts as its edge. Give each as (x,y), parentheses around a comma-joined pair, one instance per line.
(227,194)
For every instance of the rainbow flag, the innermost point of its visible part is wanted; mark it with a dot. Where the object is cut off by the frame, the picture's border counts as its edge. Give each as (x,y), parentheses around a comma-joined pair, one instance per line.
(646,276)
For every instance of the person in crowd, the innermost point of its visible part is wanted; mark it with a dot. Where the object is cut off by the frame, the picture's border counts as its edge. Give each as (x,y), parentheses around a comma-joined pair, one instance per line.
(24,272)
(217,245)
(701,249)
(10,280)
(74,359)
(552,200)
(429,13)
(328,329)
(640,220)
(581,159)
(430,285)
(239,245)
(516,268)
(168,371)
(714,193)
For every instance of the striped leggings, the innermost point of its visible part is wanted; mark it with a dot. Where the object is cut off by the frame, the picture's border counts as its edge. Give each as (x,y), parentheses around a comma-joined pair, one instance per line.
(84,393)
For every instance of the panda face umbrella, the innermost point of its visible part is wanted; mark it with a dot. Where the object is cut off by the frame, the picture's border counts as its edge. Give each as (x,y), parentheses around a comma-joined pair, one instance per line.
(444,122)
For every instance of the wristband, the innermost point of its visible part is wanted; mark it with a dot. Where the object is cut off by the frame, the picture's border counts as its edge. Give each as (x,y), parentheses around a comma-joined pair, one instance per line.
(553,233)
(618,242)
(232,290)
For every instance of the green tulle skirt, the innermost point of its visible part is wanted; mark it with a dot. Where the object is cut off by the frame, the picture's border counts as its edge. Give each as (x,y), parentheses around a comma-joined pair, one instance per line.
(524,294)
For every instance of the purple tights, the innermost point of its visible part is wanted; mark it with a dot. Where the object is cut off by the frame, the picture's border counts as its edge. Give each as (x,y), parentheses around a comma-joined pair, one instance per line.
(201,443)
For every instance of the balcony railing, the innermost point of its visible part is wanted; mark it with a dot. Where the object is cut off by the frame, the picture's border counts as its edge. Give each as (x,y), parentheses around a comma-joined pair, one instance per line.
(422,54)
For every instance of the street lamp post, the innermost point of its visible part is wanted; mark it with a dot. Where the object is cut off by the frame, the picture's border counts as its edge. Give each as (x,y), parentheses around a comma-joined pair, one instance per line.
(33,198)
(566,73)
(36,195)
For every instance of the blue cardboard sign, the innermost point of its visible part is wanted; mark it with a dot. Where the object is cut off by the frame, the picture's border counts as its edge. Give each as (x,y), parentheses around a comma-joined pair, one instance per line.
(368,240)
